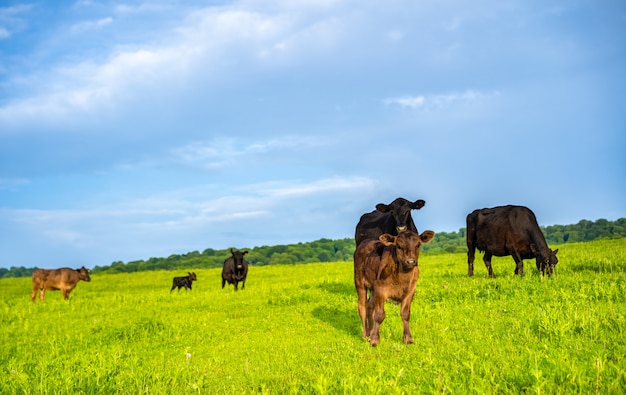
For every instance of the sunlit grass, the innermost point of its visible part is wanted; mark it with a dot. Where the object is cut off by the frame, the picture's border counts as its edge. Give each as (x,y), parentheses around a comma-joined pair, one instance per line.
(295,329)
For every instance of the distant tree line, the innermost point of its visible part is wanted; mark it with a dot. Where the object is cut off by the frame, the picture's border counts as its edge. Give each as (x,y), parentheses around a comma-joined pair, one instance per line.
(584,230)
(323,250)
(326,250)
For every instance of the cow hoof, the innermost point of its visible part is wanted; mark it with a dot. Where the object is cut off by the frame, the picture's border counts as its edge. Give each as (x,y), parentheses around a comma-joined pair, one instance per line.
(373,342)
(408,341)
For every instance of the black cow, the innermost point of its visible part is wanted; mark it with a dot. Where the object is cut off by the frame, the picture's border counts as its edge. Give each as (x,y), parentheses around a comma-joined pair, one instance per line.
(235,269)
(184,281)
(387,218)
(508,230)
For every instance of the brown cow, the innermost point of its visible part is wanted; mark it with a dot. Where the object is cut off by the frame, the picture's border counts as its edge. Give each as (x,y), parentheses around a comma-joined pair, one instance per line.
(387,268)
(64,279)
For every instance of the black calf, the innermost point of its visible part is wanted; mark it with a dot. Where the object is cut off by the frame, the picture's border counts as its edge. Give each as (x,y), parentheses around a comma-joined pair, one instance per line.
(184,281)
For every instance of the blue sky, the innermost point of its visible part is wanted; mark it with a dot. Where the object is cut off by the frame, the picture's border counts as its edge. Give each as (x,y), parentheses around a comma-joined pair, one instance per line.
(139,129)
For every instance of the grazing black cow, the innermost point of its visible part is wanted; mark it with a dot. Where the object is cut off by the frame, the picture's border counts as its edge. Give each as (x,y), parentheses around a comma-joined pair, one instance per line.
(508,230)
(186,281)
(235,269)
(387,218)
(388,269)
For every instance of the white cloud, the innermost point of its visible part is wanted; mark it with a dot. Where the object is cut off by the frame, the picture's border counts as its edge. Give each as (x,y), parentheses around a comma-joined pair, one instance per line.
(12,19)
(12,183)
(320,186)
(223,152)
(436,102)
(89,25)
(208,40)
(184,210)
(408,101)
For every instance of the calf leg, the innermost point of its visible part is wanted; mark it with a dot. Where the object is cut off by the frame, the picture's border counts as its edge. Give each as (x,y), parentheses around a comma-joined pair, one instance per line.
(33,294)
(405,313)
(377,311)
(362,297)
(487,260)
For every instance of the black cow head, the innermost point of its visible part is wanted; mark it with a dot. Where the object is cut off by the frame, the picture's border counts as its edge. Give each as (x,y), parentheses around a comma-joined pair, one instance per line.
(407,246)
(400,210)
(546,259)
(238,258)
(83,274)
(192,276)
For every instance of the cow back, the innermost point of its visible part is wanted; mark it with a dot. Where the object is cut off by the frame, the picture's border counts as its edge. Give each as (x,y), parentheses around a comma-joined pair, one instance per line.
(59,278)
(491,229)
(367,262)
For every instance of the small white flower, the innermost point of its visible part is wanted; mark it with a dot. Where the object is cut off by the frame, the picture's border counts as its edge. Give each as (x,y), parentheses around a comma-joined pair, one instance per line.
(188,355)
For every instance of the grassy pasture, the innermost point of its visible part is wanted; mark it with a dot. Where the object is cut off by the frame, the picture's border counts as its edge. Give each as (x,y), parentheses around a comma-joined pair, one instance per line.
(295,329)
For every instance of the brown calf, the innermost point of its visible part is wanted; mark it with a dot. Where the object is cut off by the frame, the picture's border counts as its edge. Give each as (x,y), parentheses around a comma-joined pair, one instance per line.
(387,268)
(64,279)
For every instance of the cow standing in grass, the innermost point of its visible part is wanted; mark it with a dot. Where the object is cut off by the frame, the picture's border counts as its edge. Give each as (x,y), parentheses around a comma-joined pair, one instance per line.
(390,218)
(64,279)
(387,269)
(235,269)
(508,230)
(185,282)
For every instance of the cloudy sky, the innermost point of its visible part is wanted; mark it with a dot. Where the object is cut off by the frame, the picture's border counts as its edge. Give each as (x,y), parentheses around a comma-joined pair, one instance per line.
(137,129)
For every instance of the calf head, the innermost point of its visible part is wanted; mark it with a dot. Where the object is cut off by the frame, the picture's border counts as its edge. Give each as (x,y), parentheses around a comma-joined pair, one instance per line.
(546,259)
(400,210)
(192,276)
(83,274)
(406,245)
(238,258)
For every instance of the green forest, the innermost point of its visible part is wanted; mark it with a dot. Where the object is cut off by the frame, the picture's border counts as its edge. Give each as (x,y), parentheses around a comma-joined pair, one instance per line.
(326,250)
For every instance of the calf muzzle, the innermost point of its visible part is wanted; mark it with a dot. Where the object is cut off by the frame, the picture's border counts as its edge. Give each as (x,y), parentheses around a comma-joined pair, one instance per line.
(410,264)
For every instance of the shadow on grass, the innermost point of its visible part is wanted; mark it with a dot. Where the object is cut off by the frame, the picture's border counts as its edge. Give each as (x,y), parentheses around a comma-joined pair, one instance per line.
(338,288)
(343,320)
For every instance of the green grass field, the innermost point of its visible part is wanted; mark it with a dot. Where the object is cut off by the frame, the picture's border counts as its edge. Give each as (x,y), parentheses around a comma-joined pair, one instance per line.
(295,329)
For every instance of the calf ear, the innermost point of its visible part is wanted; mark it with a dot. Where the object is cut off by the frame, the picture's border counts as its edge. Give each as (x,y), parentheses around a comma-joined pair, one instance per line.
(555,251)
(387,239)
(245,253)
(418,204)
(427,236)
